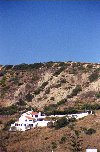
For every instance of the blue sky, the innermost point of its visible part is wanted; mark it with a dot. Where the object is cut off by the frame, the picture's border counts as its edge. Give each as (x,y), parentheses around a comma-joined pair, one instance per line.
(41,31)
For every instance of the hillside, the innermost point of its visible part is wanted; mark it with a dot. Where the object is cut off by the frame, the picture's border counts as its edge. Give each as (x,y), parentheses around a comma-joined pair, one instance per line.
(53,87)
(82,133)
(41,84)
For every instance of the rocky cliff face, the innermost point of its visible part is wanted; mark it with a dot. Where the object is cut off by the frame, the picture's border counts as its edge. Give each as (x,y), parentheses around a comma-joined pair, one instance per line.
(41,84)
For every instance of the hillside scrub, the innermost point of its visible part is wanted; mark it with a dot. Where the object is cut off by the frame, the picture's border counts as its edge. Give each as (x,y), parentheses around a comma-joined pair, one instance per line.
(52,110)
(61,122)
(9,110)
(94,76)
(90,107)
(89,131)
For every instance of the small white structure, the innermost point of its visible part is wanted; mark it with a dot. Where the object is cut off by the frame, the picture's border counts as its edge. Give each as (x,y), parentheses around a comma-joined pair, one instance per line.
(79,115)
(91,150)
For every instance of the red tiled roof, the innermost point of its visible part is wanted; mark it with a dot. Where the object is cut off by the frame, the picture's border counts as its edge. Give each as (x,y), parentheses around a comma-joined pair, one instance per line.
(29,118)
(34,113)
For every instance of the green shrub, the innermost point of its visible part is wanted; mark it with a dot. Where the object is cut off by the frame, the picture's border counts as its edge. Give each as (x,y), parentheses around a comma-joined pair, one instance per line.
(29,97)
(21,102)
(52,98)
(15,80)
(38,90)
(7,125)
(3,81)
(75,91)
(59,71)
(72,119)
(91,106)
(24,66)
(63,139)
(94,76)
(1,73)
(61,122)
(7,67)
(49,64)
(47,91)
(63,101)
(71,110)
(50,109)
(90,131)
(98,95)
(8,110)
(54,145)
(62,80)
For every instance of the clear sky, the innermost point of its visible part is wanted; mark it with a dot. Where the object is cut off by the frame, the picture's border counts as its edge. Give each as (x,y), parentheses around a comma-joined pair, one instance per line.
(41,31)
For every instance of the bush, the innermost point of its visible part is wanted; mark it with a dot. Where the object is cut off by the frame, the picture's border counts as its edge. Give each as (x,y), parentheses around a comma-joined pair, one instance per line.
(94,76)
(63,140)
(15,80)
(62,122)
(54,145)
(50,109)
(7,125)
(8,110)
(50,125)
(21,102)
(49,64)
(75,91)
(62,80)
(52,98)
(71,110)
(63,101)
(29,97)
(98,95)
(1,73)
(3,81)
(7,67)
(24,66)
(72,119)
(91,107)
(47,91)
(90,131)
(59,71)
(38,90)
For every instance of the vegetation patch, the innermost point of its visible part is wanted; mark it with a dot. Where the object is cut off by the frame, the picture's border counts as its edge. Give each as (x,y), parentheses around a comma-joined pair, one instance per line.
(90,131)
(61,122)
(90,106)
(94,76)
(75,91)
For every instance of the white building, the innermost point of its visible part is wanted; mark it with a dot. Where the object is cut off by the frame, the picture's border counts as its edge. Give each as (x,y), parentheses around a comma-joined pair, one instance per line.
(32,119)
(91,150)
(29,120)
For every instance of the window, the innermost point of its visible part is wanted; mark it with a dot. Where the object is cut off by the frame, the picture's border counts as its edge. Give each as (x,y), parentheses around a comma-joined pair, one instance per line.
(26,120)
(31,125)
(30,120)
(16,124)
(36,115)
(24,124)
(40,119)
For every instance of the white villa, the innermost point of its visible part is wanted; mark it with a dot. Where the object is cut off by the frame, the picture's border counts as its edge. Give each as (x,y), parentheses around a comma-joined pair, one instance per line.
(32,119)
(29,120)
